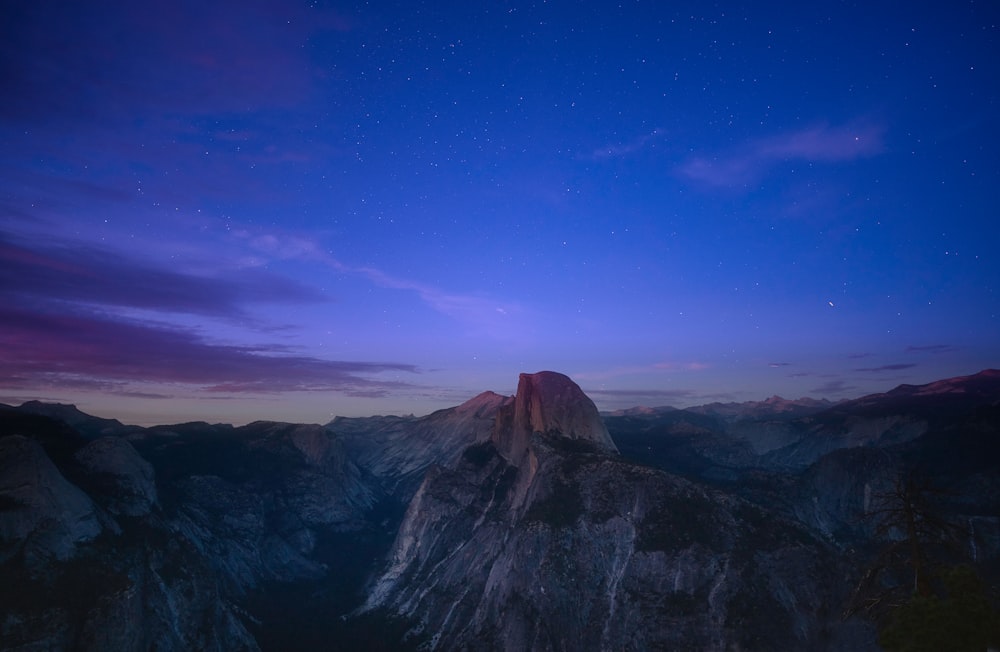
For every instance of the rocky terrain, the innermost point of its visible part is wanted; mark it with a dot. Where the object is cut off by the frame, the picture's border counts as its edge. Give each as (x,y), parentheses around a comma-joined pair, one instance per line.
(524,522)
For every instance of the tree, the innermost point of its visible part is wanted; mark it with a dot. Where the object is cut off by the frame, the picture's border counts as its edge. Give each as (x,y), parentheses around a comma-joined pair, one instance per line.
(959,618)
(915,591)
(908,519)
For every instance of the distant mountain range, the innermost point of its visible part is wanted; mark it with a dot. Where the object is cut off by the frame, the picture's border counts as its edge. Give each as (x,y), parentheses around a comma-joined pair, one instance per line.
(523,522)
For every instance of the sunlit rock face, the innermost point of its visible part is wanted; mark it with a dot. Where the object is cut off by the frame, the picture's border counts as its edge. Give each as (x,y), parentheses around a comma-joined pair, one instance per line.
(543,538)
(548,402)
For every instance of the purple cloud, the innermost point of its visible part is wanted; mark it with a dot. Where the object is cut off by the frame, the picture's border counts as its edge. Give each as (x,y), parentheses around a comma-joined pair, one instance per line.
(821,143)
(645,393)
(930,348)
(632,397)
(184,56)
(888,367)
(832,388)
(80,273)
(495,317)
(80,349)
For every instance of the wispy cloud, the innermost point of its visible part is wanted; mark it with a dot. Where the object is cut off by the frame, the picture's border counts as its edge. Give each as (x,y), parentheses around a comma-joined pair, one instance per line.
(820,143)
(931,348)
(618,150)
(190,57)
(85,350)
(631,370)
(888,367)
(833,388)
(486,314)
(81,273)
(64,324)
(658,394)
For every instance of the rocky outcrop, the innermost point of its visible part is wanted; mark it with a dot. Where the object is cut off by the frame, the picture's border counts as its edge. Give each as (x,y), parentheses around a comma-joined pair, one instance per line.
(543,539)
(526,527)
(83,423)
(119,475)
(399,450)
(42,515)
(548,402)
(158,539)
(604,555)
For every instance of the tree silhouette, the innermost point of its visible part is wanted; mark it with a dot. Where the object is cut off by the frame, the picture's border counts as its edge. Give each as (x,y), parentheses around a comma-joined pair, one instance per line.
(915,591)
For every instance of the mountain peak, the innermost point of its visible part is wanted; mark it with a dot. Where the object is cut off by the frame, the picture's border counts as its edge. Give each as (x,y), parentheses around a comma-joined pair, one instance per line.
(548,402)
(986,383)
(482,404)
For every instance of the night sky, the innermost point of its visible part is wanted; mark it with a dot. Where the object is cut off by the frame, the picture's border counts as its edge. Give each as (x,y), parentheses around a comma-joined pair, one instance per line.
(295,210)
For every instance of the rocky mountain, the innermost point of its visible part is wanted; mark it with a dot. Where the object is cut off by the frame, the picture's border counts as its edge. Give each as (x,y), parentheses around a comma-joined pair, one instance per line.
(823,469)
(774,406)
(525,522)
(398,450)
(544,538)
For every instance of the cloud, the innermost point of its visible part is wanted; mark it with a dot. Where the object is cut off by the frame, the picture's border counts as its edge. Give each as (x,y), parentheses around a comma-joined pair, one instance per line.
(641,394)
(487,314)
(469,308)
(887,367)
(192,57)
(779,364)
(82,349)
(79,273)
(61,326)
(626,149)
(832,388)
(630,370)
(821,143)
(931,348)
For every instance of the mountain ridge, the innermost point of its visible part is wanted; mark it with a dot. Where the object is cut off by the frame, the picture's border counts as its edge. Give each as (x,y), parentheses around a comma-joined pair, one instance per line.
(526,522)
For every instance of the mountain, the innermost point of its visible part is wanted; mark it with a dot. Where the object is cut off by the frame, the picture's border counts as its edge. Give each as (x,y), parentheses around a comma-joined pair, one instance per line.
(823,468)
(522,522)
(82,422)
(545,538)
(774,406)
(398,450)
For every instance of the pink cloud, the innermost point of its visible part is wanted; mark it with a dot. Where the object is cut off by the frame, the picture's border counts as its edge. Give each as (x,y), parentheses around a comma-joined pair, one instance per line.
(75,348)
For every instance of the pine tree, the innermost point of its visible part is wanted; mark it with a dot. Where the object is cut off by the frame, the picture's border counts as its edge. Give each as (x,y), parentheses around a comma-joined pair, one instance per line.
(915,591)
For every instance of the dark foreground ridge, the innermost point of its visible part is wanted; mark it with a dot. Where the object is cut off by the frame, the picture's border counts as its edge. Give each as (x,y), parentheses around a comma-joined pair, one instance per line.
(523,522)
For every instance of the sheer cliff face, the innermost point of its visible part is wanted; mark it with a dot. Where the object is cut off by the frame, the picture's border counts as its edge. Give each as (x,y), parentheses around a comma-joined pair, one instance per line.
(548,402)
(543,538)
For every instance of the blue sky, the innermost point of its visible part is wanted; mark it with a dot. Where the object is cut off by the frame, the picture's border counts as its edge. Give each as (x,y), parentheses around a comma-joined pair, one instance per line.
(293,210)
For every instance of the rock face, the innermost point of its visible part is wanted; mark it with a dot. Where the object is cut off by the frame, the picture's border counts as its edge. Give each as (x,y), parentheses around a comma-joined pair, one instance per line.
(123,477)
(42,513)
(542,538)
(104,558)
(399,450)
(548,402)
(505,523)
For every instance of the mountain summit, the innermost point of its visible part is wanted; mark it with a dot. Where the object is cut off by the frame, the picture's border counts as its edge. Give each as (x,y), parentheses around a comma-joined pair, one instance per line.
(550,403)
